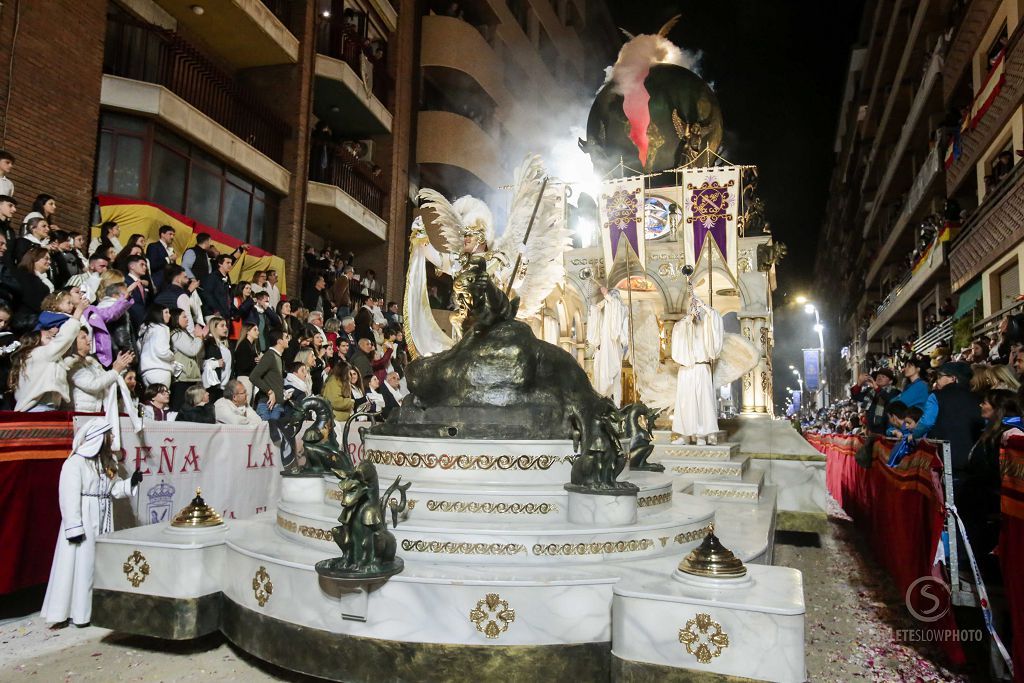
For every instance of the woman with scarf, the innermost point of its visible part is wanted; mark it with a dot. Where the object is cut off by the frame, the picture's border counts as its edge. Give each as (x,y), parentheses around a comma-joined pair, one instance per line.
(188,354)
(88,485)
(90,381)
(38,379)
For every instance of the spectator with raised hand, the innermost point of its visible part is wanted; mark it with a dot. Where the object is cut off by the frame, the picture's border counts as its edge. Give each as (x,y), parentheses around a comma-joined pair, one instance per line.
(90,381)
(188,355)
(38,378)
(108,319)
(156,357)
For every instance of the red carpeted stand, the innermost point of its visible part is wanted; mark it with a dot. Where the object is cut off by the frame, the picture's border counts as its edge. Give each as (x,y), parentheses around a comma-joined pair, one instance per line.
(33,447)
(899,510)
(1011,546)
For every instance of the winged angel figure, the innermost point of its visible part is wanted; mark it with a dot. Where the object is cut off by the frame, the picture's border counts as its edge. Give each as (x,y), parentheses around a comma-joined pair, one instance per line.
(467,227)
(657,381)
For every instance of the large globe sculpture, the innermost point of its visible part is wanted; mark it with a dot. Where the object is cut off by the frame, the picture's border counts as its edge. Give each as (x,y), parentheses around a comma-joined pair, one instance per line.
(684,120)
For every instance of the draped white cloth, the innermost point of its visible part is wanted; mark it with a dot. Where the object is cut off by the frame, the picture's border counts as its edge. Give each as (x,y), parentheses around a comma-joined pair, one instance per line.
(427,337)
(608,331)
(696,342)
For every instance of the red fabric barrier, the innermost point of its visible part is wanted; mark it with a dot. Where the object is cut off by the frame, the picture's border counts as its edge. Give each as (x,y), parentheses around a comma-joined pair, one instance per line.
(899,510)
(1011,546)
(33,447)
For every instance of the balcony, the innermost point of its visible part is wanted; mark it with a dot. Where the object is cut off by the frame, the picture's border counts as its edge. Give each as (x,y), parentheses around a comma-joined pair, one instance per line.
(456,56)
(924,183)
(972,25)
(344,203)
(976,140)
(895,306)
(910,126)
(145,53)
(992,229)
(246,33)
(351,90)
(448,141)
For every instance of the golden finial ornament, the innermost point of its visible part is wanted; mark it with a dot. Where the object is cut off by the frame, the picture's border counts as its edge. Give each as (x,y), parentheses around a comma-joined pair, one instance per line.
(197,514)
(713,560)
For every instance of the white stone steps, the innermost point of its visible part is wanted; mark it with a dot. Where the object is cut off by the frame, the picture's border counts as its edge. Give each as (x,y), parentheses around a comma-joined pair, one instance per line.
(746,490)
(666,436)
(723,451)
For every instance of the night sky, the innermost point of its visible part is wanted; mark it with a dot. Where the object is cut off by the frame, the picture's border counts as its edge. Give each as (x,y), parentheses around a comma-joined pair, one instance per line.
(778,67)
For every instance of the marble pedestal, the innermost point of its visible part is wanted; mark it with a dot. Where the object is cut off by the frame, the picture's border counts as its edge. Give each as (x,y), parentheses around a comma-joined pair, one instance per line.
(751,630)
(505,576)
(602,510)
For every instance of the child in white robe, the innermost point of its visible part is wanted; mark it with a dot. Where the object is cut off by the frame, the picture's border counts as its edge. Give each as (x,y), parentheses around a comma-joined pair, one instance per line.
(88,485)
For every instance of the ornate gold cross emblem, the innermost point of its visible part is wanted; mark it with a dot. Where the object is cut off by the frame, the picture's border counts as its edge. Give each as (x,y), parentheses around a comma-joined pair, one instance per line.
(703,638)
(262,588)
(135,569)
(492,615)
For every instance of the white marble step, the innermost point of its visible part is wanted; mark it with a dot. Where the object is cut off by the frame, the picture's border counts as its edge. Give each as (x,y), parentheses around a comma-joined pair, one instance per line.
(707,470)
(548,502)
(518,541)
(746,490)
(723,451)
(667,436)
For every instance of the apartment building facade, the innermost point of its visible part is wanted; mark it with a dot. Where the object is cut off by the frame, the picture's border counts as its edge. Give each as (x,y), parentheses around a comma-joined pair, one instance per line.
(927,109)
(282,123)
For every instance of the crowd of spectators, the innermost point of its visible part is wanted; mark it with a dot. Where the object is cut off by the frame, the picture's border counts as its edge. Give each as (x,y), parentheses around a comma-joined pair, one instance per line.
(972,399)
(111,322)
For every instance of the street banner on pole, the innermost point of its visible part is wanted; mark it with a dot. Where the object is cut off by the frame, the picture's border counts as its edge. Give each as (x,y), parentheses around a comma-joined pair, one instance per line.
(811,369)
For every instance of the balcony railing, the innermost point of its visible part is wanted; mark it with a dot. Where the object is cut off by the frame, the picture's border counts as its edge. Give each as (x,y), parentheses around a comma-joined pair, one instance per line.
(332,165)
(146,53)
(942,332)
(341,41)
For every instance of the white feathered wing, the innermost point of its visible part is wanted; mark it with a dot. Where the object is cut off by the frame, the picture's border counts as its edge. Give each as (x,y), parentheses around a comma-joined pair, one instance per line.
(542,266)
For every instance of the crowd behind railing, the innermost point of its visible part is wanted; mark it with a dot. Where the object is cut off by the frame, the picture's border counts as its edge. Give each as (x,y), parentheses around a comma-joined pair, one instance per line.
(95,323)
(973,400)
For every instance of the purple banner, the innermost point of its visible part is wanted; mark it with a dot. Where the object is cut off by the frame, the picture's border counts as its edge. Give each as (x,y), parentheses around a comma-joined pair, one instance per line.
(811,372)
(622,208)
(709,205)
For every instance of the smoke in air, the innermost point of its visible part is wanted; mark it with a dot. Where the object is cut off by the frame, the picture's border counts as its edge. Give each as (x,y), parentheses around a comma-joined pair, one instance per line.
(629,72)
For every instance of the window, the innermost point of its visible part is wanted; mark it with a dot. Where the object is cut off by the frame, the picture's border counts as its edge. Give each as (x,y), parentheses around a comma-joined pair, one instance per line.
(137,158)
(1007,284)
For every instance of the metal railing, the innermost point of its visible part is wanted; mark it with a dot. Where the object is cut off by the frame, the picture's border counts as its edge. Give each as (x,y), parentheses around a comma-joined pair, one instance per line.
(338,40)
(990,325)
(336,168)
(146,53)
(930,339)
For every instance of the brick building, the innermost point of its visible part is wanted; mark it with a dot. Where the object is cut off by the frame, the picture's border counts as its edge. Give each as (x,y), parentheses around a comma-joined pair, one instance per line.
(283,123)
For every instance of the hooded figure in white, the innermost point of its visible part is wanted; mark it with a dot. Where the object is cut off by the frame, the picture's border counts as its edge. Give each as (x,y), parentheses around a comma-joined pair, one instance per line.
(608,333)
(88,485)
(697,341)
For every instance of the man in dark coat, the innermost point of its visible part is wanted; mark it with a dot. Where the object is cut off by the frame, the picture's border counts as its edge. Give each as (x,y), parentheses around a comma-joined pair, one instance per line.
(160,254)
(879,394)
(959,421)
(216,288)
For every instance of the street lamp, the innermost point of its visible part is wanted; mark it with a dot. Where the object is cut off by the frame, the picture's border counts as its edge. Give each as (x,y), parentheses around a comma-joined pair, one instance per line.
(811,309)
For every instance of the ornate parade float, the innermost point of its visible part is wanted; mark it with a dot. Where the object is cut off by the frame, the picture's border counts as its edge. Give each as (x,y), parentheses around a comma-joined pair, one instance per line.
(508,521)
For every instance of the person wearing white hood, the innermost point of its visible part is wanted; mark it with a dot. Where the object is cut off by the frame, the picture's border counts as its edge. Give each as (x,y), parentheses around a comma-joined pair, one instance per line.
(88,483)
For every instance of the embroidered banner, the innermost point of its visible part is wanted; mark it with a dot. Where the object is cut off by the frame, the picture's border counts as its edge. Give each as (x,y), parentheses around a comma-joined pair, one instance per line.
(621,206)
(710,209)
(238,467)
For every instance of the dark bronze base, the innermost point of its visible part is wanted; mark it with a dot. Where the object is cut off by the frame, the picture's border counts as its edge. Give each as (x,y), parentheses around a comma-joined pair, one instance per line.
(628,671)
(647,467)
(329,569)
(622,488)
(353,659)
(159,617)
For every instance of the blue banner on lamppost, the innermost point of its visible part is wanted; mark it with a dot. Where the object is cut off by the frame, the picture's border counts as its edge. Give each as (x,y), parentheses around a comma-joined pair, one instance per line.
(811,371)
